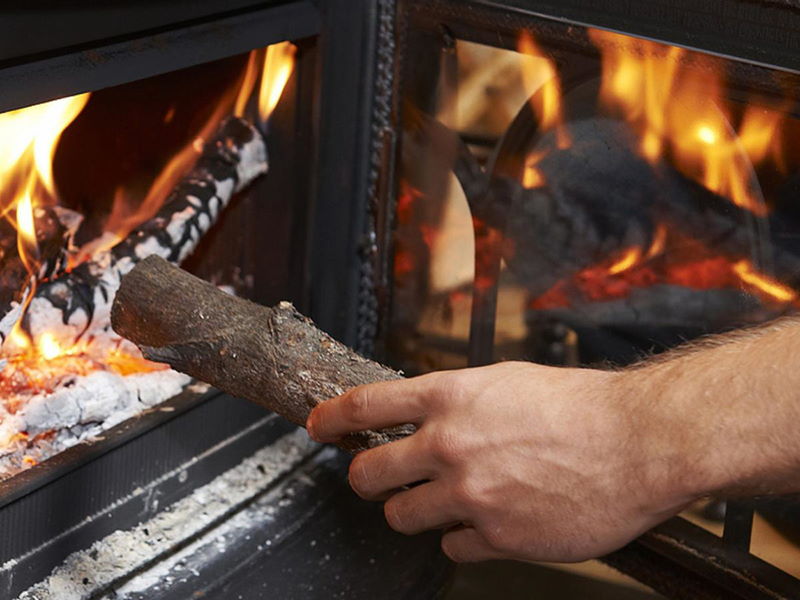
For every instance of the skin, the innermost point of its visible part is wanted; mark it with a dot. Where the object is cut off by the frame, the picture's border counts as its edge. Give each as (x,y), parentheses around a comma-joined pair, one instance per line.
(521,461)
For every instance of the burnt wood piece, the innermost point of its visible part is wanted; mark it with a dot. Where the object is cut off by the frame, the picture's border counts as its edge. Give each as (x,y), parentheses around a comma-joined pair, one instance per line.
(55,227)
(275,356)
(666,305)
(599,198)
(78,303)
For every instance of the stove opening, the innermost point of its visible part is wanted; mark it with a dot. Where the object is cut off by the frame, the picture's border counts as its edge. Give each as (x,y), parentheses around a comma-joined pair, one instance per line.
(95,182)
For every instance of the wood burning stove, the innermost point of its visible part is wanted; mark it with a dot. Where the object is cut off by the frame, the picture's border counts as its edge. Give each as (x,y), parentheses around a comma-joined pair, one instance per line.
(450,183)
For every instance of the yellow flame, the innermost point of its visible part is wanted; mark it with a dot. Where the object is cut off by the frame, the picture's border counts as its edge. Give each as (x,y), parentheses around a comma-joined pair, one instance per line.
(541,81)
(278,66)
(18,339)
(680,107)
(248,82)
(532,176)
(48,346)
(26,233)
(29,140)
(659,241)
(629,259)
(745,270)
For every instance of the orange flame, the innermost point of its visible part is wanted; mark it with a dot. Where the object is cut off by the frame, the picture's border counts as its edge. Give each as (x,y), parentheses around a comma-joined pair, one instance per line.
(680,108)
(128,212)
(532,176)
(278,67)
(769,286)
(248,82)
(541,75)
(628,260)
(30,136)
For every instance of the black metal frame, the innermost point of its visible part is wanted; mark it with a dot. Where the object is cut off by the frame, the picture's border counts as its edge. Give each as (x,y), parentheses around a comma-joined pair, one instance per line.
(677,558)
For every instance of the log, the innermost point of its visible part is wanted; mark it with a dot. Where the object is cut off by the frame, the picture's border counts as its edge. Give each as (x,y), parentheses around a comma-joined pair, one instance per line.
(77,304)
(275,356)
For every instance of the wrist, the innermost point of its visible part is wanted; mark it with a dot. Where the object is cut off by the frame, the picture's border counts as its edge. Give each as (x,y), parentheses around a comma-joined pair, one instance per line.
(668,440)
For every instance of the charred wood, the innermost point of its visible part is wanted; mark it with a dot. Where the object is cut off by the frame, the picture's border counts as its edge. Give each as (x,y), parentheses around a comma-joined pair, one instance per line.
(78,303)
(275,356)
(600,198)
(55,227)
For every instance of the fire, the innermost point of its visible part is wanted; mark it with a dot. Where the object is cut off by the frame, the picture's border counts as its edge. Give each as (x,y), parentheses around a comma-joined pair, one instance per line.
(750,275)
(30,137)
(630,258)
(541,75)
(278,66)
(27,246)
(679,110)
(675,103)
(532,176)
(129,212)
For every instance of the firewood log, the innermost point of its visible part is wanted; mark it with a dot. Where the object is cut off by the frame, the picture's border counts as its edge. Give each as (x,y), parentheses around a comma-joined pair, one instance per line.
(275,356)
(78,303)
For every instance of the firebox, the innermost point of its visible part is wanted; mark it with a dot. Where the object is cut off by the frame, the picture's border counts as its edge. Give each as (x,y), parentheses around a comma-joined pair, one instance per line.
(439,184)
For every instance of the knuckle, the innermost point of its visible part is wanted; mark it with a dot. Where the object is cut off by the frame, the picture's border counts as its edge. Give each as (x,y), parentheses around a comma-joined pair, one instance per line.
(357,405)
(496,537)
(359,476)
(469,494)
(445,445)
(506,541)
(453,551)
(395,513)
(453,386)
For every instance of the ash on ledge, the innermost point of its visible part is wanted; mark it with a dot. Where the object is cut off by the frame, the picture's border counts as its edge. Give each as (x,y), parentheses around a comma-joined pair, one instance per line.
(91,184)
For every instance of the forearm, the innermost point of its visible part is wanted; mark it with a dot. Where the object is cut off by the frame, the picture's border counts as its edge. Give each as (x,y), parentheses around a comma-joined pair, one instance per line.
(725,414)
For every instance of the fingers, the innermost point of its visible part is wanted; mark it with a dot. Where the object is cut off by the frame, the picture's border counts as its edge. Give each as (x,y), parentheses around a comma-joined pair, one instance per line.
(424,507)
(465,544)
(370,406)
(376,472)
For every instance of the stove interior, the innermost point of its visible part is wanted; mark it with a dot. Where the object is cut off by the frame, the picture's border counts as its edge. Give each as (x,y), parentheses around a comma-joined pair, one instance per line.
(85,177)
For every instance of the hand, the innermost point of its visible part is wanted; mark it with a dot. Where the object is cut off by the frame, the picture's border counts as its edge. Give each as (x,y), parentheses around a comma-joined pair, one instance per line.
(515,460)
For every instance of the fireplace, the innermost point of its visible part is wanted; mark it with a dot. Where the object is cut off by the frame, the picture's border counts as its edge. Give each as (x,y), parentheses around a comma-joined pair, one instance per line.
(224,138)
(438,184)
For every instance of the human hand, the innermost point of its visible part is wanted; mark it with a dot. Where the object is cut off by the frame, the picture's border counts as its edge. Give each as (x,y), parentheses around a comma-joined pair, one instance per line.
(516,460)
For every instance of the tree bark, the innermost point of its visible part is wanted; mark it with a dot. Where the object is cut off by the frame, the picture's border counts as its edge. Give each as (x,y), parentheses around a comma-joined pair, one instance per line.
(275,356)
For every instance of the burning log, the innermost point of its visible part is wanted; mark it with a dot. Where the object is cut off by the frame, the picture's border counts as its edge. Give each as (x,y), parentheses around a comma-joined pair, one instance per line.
(55,227)
(78,303)
(273,356)
(598,198)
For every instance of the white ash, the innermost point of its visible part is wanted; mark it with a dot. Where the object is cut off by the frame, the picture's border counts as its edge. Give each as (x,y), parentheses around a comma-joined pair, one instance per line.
(252,521)
(80,409)
(86,573)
